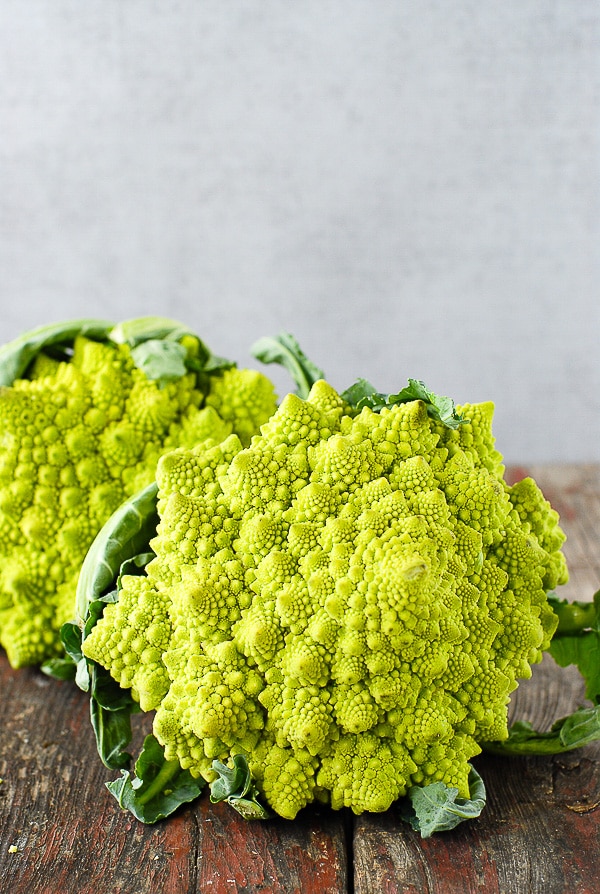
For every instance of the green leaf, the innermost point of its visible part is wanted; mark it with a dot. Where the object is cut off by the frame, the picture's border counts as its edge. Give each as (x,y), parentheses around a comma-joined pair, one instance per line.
(442,409)
(235,785)
(112,729)
(70,634)
(158,788)
(583,650)
(364,394)
(69,667)
(580,728)
(437,807)
(107,692)
(285,350)
(72,665)
(164,364)
(577,640)
(140,329)
(134,566)
(59,668)
(571,732)
(160,361)
(120,547)
(576,616)
(126,533)
(16,355)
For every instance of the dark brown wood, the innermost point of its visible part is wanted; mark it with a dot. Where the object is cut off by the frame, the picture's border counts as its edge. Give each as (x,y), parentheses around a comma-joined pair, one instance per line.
(540,832)
(71,836)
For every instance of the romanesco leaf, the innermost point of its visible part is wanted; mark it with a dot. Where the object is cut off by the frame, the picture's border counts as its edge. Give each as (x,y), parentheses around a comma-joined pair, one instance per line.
(16,356)
(285,350)
(363,394)
(123,536)
(59,668)
(573,616)
(577,641)
(583,650)
(141,329)
(69,666)
(571,732)
(235,785)
(158,787)
(437,807)
(161,361)
(112,729)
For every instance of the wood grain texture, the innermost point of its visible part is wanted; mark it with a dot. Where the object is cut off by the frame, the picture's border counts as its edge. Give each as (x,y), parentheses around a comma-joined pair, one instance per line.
(539,834)
(71,835)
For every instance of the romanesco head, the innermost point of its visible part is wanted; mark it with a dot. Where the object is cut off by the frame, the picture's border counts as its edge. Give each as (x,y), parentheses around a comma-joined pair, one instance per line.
(78,437)
(349,601)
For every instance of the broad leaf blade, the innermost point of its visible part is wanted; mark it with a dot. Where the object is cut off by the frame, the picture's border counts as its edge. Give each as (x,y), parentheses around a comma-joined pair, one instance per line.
(112,730)
(158,788)
(73,664)
(439,407)
(161,361)
(232,780)
(567,734)
(107,692)
(363,394)
(583,650)
(141,329)
(59,668)
(285,350)
(580,728)
(235,785)
(16,356)
(577,641)
(144,334)
(574,616)
(437,807)
(126,533)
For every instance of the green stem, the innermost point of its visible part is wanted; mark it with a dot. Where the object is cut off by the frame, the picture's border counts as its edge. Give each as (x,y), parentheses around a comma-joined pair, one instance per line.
(535,746)
(168,770)
(574,617)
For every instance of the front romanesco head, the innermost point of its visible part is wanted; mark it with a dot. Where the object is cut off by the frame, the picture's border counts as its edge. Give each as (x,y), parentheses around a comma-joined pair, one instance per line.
(348,602)
(77,437)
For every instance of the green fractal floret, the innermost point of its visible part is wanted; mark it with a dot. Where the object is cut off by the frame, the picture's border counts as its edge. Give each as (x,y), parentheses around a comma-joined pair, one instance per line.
(350,600)
(78,436)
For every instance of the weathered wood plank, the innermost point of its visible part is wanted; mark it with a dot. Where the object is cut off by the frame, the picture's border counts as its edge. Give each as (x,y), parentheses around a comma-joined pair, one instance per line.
(307,856)
(72,838)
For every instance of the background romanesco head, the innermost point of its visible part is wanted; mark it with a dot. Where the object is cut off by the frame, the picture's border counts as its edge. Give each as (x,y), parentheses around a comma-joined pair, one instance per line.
(348,601)
(80,430)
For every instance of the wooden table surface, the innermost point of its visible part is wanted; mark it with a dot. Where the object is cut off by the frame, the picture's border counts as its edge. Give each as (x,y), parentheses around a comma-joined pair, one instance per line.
(540,831)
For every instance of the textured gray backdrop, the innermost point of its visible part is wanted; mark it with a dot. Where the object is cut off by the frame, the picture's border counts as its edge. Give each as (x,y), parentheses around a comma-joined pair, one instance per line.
(413,189)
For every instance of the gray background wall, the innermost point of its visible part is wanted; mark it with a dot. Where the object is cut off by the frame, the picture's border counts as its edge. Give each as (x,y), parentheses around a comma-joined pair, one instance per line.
(412,188)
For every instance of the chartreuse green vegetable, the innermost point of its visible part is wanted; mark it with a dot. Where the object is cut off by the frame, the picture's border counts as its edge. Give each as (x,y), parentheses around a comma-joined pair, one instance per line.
(86,410)
(337,612)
